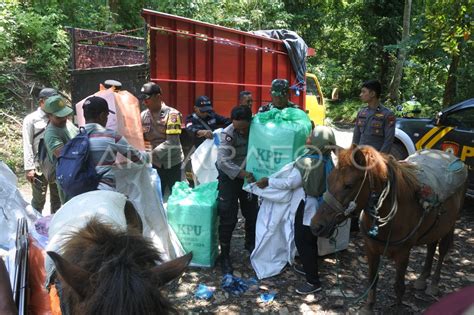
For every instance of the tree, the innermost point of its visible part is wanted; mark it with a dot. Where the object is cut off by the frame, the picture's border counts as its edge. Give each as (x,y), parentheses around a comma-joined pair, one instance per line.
(397,75)
(448,31)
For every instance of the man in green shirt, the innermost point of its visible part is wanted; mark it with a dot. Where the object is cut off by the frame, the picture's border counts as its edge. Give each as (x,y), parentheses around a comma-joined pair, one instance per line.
(59,131)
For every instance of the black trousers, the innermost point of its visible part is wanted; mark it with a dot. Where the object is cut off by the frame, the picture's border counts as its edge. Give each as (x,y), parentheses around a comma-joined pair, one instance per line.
(230,194)
(168,176)
(307,246)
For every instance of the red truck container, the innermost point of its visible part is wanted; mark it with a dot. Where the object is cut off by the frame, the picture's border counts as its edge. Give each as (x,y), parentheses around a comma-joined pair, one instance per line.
(189,58)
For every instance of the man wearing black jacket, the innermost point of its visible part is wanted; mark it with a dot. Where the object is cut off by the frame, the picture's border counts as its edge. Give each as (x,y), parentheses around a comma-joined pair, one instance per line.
(204,121)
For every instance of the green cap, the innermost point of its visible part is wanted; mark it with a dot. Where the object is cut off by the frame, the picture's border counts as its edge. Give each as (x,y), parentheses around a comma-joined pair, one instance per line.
(280,87)
(56,105)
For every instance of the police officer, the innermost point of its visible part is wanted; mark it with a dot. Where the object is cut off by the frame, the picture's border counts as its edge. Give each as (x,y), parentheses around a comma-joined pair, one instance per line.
(162,127)
(280,92)
(375,124)
(204,121)
(230,163)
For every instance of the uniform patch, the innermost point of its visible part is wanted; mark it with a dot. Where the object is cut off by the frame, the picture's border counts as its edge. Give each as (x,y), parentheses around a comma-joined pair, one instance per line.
(174,117)
(228,138)
(391,120)
(379,115)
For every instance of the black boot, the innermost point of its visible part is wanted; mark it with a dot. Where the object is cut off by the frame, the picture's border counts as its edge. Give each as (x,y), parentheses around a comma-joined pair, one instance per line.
(226,265)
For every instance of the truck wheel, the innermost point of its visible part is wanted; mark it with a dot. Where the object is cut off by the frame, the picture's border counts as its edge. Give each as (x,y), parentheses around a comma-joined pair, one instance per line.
(399,151)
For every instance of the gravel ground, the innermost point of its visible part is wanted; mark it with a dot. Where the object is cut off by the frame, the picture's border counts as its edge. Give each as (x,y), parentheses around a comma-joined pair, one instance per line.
(351,265)
(457,272)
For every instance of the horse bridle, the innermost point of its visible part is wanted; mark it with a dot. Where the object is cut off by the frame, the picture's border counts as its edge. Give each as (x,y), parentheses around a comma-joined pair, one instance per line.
(336,205)
(372,209)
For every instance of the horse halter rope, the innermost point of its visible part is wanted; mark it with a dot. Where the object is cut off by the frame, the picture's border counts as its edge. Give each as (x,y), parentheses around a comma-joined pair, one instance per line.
(372,211)
(336,205)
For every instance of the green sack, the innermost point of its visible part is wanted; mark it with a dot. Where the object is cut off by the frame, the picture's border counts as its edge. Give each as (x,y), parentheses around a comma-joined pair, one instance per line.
(192,213)
(276,138)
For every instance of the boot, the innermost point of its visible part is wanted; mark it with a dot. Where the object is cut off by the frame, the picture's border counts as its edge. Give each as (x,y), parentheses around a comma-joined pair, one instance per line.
(226,265)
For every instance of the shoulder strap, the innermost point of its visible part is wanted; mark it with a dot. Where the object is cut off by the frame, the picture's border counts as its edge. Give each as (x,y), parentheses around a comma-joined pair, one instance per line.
(41,131)
(202,122)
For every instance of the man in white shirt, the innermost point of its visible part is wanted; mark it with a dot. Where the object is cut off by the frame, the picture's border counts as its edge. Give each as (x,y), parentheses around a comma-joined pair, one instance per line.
(34,126)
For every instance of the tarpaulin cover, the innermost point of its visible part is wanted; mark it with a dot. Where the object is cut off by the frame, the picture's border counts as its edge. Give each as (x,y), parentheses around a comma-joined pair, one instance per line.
(135,183)
(192,213)
(140,184)
(126,119)
(12,208)
(276,138)
(440,174)
(296,48)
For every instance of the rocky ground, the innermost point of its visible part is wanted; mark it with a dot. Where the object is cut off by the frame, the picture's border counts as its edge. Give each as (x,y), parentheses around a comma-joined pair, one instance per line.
(350,265)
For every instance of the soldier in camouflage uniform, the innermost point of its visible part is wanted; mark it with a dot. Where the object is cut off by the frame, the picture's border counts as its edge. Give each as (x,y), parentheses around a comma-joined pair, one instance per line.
(280,91)
(231,156)
(162,128)
(375,124)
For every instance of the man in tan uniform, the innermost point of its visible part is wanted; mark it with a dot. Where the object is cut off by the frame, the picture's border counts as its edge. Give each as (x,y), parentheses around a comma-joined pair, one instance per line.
(34,126)
(162,128)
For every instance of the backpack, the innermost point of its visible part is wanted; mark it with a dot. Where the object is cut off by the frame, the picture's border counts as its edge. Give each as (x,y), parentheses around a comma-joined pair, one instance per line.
(75,171)
(43,162)
(328,167)
(45,165)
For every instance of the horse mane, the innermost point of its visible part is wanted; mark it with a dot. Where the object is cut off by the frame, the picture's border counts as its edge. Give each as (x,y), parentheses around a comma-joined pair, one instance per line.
(120,265)
(379,167)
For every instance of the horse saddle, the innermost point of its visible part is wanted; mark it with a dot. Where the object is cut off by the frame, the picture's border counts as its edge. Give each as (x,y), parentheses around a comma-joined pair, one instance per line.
(440,175)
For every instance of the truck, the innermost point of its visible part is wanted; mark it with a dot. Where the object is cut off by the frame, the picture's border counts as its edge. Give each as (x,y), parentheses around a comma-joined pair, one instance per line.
(451,130)
(189,58)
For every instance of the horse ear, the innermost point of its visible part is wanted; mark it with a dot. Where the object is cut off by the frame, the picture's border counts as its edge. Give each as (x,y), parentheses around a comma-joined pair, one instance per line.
(76,277)
(359,157)
(172,269)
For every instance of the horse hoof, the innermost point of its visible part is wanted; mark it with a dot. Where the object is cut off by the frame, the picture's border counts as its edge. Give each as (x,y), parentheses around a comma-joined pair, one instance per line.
(420,284)
(432,289)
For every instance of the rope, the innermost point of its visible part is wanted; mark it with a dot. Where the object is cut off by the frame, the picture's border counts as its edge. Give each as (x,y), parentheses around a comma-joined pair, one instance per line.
(111,34)
(366,292)
(381,200)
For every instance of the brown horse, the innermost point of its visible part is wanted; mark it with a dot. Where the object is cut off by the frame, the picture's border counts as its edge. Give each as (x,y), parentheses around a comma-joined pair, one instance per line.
(383,188)
(104,270)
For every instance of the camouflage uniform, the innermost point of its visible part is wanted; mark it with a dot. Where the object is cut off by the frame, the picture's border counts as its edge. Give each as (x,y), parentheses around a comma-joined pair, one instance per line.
(280,87)
(375,127)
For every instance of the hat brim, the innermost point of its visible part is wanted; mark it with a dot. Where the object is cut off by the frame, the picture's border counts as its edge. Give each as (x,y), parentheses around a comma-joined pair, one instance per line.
(206,109)
(65,111)
(145,96)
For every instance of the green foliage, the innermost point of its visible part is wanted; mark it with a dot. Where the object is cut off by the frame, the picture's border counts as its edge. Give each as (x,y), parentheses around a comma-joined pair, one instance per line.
(343,112)
(247,15)
(38,39)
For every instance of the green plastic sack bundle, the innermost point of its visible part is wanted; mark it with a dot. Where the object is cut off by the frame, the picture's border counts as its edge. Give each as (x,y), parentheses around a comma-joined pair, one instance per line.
(192,213)
(276,138)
